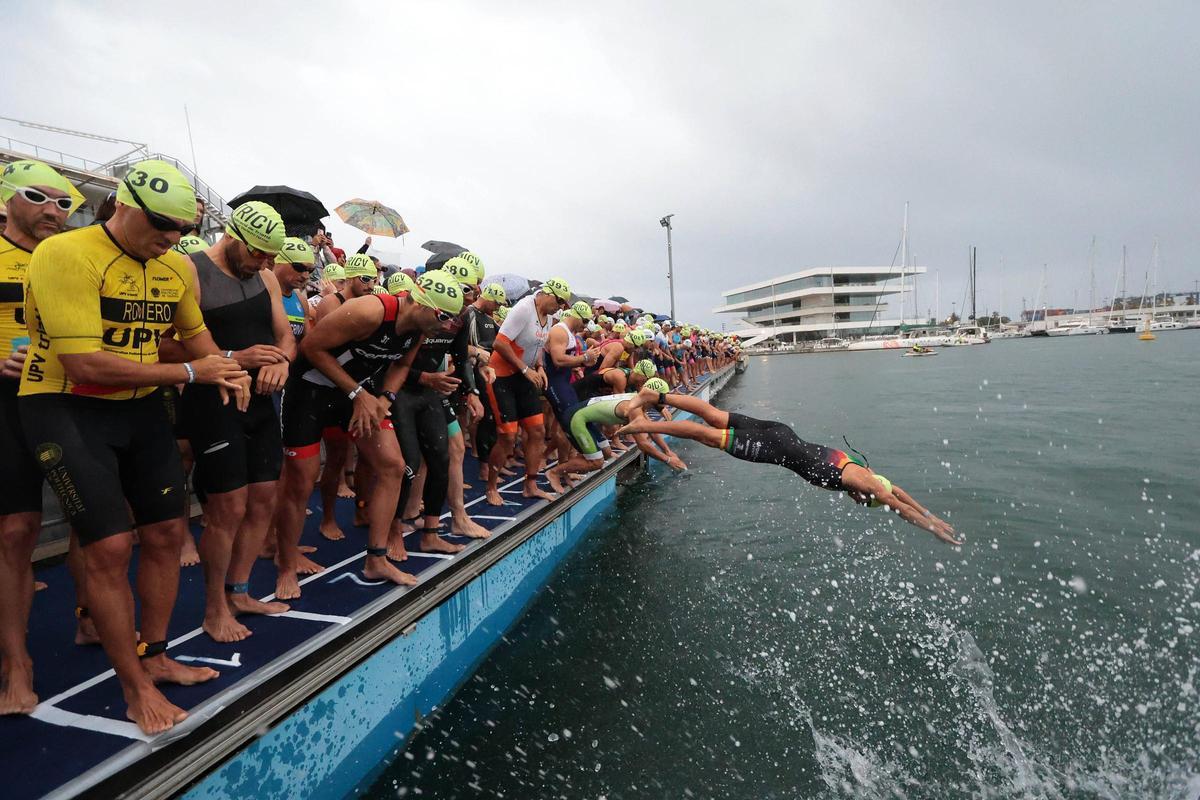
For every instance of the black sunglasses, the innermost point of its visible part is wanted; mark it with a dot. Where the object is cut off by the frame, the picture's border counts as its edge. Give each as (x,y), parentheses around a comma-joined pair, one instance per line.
(158,221)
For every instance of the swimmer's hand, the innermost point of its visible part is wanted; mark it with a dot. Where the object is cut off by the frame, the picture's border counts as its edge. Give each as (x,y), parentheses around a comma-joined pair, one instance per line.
(676,463)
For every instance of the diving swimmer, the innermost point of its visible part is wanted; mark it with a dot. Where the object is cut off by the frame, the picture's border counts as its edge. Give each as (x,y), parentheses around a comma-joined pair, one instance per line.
(770,442)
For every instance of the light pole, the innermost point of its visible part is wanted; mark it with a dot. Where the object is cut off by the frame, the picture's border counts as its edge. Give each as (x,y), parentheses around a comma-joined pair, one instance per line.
(666,223)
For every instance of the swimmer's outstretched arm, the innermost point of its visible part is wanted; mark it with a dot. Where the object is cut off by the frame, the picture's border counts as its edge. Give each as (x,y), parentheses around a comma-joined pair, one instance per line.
(863,486)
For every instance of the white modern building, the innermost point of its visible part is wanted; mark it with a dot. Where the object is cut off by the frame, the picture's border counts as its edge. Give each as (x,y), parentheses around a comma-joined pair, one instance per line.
(823,301)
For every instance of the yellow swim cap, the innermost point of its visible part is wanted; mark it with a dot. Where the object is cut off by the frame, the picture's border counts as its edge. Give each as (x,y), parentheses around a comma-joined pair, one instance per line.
(295,251)
(400,282)
(28,173)
(501,313)
(257,225)
(474,261)
(557,287)
(379,290)
(163,189)
(461,270)
(657,385)
(887,485)
(635,338)
(435,292)
(646,367)
(620,328)
(335,272)
(190,244)
(495,292)
(360,265)
(582,310)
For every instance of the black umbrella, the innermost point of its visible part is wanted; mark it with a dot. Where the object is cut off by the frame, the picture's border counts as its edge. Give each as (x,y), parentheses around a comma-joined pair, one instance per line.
(438,260)
(619,299)
(301,211)
(443,247)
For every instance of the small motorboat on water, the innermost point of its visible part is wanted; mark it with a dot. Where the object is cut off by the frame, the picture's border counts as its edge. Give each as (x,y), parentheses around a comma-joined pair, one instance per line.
(919,351)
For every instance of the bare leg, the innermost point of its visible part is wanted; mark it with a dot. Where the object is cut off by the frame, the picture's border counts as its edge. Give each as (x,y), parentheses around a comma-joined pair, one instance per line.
(158,585)
(706,411)
(331,479)
(85,628)
(226,511)
(189,556)
(295,484)
(535,446)
(382,450)
(107,565)
(497,459)
(18,537)
(363,477)
(683,430)
(460,522)
(260,508)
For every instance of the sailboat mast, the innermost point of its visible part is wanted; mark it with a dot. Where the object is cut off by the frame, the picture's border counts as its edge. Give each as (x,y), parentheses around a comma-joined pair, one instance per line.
(903,259)
(1092,271)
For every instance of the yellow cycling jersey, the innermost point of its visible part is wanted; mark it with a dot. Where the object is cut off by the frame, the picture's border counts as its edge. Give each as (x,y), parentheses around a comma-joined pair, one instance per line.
(14,261)
(84,294)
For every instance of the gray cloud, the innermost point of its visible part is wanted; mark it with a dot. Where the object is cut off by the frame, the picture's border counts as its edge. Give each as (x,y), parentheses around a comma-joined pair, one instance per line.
(551,137)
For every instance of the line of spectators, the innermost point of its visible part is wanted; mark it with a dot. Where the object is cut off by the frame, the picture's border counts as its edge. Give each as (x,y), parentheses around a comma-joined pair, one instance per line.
(137,353)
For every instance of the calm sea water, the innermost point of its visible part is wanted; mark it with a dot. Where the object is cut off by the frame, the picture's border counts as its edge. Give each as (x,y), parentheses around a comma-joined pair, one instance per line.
(734,633)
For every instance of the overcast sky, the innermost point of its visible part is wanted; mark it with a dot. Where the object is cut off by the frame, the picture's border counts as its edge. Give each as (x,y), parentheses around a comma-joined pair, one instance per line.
(551,136)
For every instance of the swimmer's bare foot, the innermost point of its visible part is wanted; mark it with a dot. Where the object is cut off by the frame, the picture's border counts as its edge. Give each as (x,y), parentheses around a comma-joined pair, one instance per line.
(396,549)
(465,526)
(165,670)
(188,556)
(86,633)
(287,587)
(431,542)
(637,426)
(152,712)
(16,679)
(532,490)
(556,485)
(245,604)
(360,515)
(222,627)
(378,568)
(331,530)
(306,566)
(306,548)
(505,472)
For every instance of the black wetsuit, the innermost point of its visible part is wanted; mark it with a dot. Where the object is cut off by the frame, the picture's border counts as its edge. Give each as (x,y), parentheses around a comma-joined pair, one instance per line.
(232,448)
(422,415)
(481,333)
(770,442)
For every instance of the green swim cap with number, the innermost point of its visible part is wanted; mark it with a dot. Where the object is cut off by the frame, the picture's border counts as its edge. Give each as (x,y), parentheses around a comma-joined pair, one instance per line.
(435,292)
(335,272)
(657,385)
(360,265)
(620,328)
(462,271)
(295,251)
(163,190)
(475,262)
(29,173)
(257,225)
(495,292)
(635,338)
(646,367)
(559,288)
(887,485)
(190,244)
(399,282)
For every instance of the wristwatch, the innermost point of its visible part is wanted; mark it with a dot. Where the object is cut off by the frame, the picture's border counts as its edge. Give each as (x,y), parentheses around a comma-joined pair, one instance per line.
(391,396)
